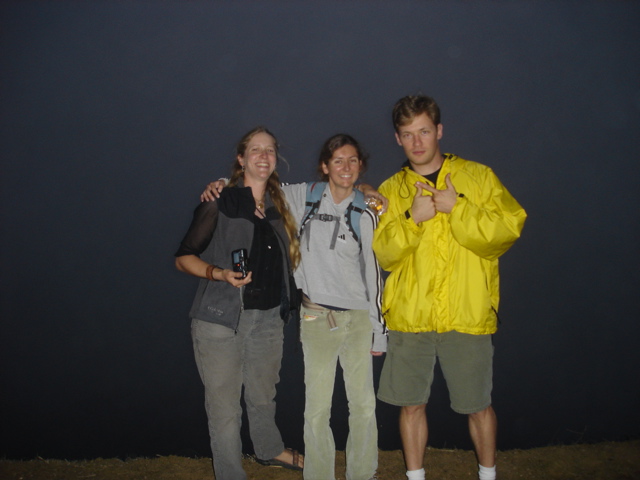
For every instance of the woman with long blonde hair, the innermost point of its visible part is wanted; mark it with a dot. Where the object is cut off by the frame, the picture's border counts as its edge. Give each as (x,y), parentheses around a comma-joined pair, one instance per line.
(238,313)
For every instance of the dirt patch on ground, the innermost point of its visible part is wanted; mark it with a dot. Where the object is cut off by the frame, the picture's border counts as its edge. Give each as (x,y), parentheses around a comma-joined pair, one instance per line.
(603,461)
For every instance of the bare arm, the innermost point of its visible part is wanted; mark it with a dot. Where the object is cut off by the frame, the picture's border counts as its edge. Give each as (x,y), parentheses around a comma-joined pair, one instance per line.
(213,189)
(194,265)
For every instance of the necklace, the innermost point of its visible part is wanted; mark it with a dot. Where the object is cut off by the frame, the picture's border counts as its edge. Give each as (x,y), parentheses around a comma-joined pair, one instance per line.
(260,203)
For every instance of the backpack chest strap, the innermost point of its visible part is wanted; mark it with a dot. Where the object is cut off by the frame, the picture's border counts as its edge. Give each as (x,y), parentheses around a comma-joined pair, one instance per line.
(323,217)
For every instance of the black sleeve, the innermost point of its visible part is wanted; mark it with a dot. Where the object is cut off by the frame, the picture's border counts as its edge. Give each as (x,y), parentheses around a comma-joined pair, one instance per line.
(200,233)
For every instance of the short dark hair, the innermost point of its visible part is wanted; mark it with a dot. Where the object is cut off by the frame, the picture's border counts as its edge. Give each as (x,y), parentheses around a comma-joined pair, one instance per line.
(334,143)
(409,107)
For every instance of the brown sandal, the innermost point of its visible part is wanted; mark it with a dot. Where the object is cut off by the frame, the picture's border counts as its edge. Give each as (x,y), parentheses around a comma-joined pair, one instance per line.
(294,465)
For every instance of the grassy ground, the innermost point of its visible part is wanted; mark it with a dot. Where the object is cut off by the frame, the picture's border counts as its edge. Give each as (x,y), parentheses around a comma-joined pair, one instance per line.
(603,461)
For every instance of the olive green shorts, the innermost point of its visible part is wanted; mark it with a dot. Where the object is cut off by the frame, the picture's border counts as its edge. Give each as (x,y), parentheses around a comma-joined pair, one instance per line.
(466,362)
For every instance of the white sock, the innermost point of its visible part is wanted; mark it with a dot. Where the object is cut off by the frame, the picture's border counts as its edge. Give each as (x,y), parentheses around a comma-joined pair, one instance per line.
(487,473)
(415,474)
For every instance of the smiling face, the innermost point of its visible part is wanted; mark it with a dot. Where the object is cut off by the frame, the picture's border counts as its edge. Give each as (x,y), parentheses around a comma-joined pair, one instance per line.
(259,158)
(420,141)
(343,168)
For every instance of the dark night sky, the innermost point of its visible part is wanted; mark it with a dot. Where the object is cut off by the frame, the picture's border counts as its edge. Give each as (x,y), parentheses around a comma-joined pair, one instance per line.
(116,114)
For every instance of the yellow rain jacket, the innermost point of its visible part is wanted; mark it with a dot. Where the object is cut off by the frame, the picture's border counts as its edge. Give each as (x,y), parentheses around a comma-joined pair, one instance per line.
(444,272)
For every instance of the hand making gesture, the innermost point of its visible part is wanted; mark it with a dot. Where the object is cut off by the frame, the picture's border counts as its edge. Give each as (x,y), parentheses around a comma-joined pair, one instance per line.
(443,200)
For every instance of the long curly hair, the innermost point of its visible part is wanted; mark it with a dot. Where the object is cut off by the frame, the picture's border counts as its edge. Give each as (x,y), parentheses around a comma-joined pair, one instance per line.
(274,190)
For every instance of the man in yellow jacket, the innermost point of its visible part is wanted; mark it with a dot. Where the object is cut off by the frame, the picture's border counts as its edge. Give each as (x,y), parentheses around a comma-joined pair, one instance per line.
(448,222)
